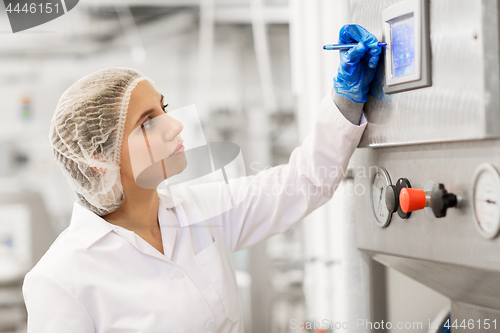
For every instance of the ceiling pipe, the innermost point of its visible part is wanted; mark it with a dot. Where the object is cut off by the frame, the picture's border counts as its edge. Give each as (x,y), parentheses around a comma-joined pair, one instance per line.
(261,46)
(132,34)
(205,52)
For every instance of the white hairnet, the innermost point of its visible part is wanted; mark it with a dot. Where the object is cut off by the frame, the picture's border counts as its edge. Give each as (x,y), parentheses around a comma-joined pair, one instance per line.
(86,133)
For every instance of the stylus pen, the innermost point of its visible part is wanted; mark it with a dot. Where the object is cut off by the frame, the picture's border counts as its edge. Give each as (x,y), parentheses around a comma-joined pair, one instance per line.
(346,46)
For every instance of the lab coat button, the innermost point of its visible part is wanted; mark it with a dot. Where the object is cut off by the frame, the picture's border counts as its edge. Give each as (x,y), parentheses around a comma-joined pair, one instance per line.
(178,274)
(211,326)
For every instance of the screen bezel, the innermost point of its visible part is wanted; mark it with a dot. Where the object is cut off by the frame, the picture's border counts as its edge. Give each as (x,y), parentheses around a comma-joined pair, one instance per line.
(393,14)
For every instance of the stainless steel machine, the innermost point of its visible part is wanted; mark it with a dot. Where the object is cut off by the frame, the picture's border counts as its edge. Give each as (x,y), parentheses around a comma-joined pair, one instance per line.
(431,151)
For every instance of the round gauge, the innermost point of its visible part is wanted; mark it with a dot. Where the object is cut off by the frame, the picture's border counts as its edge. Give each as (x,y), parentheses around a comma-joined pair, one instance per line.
(486,200)
(379,185)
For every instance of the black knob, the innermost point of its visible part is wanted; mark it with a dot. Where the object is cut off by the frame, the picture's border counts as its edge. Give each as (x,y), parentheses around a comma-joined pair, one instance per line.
(400,184)
(392,198)
(441,200)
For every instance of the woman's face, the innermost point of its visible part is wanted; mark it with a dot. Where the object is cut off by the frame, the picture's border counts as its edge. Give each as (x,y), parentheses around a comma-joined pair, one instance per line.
(144,138)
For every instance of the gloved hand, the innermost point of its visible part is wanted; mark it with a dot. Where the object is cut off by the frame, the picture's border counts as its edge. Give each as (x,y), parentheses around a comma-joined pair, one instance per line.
(357,65)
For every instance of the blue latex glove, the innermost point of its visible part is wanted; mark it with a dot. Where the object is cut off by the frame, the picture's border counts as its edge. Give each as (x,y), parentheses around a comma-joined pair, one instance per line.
(357,65)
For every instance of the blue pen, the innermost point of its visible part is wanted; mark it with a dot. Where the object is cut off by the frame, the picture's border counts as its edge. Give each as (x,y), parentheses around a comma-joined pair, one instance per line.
(346,46)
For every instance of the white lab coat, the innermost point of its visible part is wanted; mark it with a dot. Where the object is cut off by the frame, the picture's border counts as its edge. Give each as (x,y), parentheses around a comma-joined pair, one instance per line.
(99,277)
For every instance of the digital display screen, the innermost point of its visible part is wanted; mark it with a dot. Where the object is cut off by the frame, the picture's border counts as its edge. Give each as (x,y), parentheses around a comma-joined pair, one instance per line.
(403,46)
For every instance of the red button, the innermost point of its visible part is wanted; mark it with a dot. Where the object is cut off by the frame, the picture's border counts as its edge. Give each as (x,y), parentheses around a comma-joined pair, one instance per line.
(411,199)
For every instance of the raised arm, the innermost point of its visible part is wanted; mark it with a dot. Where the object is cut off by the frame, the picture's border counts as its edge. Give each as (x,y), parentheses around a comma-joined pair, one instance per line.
(280,196)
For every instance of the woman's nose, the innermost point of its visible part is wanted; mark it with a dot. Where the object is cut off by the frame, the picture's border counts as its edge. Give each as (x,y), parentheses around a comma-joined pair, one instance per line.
(174,128)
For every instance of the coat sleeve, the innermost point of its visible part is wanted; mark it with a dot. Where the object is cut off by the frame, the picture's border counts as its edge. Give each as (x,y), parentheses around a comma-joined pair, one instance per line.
(53,308)
(280,196)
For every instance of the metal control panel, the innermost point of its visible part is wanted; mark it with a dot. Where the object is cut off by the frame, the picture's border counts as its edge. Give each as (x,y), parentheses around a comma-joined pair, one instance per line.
(463,101)
(432,206)
(458,255)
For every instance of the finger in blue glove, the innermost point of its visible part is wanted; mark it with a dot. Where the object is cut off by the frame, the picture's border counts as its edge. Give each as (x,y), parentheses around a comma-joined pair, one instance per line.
(358,64)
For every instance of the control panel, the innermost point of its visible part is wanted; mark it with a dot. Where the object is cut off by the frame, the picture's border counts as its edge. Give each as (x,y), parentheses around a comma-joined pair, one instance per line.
(435,199)
(403,199)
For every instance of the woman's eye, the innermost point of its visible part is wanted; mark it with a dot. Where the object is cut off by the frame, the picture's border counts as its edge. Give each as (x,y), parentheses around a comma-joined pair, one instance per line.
(147,123)
(163,108)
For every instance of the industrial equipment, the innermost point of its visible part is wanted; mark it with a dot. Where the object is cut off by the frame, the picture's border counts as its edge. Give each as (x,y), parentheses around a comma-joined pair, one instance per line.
(433,139)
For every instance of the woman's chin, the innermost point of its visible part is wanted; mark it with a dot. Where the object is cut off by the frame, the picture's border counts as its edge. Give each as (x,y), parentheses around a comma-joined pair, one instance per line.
(177,164)
(156,173)
(185,161)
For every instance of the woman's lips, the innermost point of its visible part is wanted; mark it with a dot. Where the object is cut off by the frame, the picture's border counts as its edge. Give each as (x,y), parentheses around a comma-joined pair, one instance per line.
(178,150)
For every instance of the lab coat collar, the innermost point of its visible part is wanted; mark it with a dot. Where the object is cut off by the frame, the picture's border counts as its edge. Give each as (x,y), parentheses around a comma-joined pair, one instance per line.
(169,230)
(87,227)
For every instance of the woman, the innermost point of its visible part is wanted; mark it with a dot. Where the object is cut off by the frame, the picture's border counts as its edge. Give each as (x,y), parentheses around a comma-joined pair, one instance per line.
(126,263)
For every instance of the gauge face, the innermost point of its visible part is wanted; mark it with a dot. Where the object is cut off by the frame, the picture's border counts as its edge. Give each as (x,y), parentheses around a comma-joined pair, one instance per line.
(486,200)
(378,187)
